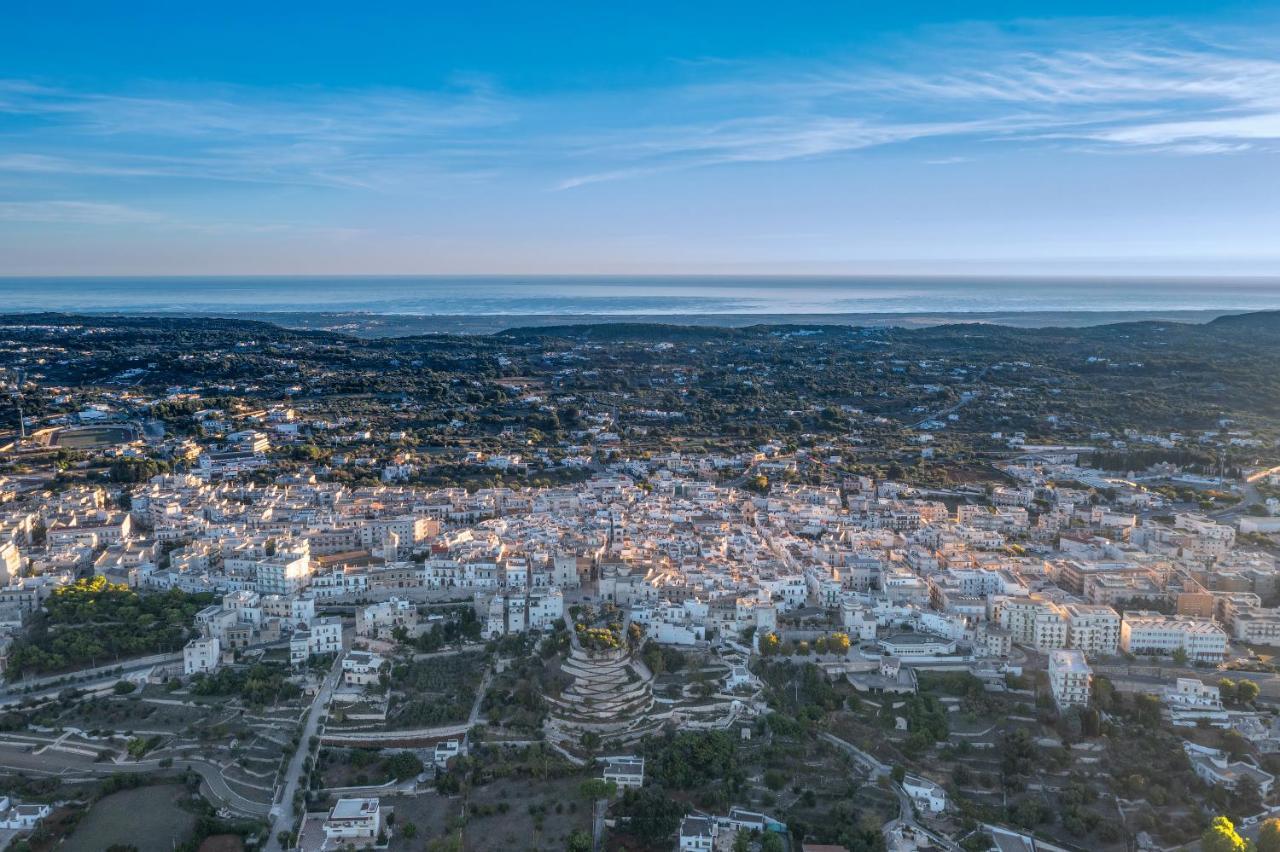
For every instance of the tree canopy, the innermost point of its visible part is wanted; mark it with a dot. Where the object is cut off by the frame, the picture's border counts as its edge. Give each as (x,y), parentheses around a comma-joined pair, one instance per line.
(1221,836)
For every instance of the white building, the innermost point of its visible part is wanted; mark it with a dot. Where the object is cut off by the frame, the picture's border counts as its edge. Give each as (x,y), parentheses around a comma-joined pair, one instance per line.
(1145,632)
(321,636)
(326,635)
(1190,702)
(283,574)
(1093,629)
(1070,678)
(1039,624)
(917,645)
(1215,767)
(380,620)
(546,607)
(626,772)
(697,834)
(927,795)
(353,821)
(361,668)
(857,621)
(15,817)
(200,656)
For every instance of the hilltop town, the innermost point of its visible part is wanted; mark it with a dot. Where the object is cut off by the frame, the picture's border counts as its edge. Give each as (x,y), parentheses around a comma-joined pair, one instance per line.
(638,587)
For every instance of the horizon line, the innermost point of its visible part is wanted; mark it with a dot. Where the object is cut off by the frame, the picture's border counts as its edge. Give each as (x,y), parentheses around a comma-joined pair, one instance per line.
(960,276)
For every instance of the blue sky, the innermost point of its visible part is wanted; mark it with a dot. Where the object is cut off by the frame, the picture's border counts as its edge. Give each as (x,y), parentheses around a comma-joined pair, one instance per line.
(168,138)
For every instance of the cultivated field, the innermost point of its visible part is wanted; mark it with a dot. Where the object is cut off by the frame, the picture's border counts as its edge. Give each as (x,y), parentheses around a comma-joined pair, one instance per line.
(148,818)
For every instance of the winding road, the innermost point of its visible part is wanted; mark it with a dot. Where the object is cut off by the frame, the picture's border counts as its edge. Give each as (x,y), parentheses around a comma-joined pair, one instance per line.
(284,813)
(55,764)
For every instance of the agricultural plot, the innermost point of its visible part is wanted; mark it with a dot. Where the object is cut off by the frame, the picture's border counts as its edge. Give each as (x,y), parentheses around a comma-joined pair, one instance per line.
(148,818)
(434,691)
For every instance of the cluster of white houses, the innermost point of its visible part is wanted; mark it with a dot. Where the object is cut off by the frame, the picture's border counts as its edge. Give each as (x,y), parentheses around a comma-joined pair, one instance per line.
(686,558)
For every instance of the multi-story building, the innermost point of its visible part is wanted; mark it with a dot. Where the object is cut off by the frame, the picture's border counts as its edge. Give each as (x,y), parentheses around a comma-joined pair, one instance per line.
(1034,622)
(283,574)
(1070,678)
(1191,703)
(361,668)
(1256,626)
(353,822)
(200,655)
(1146,632)
(326,635)
(380,620)
(1093,629)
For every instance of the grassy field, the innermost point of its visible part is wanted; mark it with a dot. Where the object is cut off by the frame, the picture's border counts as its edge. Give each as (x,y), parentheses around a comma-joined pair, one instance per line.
(147,817)
(432,815)
(92,437)
(500,816)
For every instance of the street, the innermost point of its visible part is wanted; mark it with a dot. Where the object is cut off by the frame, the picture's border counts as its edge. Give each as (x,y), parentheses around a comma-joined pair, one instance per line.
(285,813)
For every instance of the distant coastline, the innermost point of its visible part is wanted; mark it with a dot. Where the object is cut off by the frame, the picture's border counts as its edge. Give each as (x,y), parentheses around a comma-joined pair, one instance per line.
(393,325)
(371,326)
(402,305)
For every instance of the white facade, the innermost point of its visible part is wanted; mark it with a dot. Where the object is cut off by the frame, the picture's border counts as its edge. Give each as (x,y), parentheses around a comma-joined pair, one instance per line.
(284,574)
(1191,702)
(927,795)
(354,821)
(697,834)
(1144,632)
(361,668)
(326,635)
(1070,678)
(1093,629)
(200,656)
(626,772)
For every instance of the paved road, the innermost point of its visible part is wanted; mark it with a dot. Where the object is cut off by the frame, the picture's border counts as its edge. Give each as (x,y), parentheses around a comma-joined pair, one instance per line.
(474,718)
(101,674)
(284,812)
(873,766)
(1251,496)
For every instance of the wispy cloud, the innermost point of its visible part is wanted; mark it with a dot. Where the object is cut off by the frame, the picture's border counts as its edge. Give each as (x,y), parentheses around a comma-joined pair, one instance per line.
(60,212)
(1137,87)
(299,136)
(74,212)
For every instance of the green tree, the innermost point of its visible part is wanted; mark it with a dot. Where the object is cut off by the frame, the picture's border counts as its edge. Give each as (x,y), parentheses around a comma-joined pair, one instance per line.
(579,841)
(650,814)
(1269,836)
(1221,836)
(1246,691)
(690,760)
(597,788)
(403,765)
(1146,710)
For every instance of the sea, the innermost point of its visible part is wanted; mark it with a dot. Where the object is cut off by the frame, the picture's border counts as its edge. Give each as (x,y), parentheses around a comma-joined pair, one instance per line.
(1036,301)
